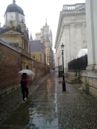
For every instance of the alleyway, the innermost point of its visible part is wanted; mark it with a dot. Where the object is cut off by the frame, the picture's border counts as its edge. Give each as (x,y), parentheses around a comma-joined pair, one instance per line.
(50,108)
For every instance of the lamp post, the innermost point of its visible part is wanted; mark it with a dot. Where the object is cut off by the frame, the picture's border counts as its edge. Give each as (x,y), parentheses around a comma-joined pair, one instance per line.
(63,81)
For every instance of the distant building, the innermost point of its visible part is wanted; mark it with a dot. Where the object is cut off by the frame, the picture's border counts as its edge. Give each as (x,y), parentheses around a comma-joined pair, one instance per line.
(46,38)
(38,36)
(37,50)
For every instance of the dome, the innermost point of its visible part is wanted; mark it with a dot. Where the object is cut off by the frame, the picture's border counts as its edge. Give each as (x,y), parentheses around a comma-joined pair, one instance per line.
(14,8)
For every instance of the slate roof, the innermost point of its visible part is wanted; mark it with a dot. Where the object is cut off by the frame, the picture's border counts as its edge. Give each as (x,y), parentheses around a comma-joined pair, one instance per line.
(3,30)
(14,8)
(36,46)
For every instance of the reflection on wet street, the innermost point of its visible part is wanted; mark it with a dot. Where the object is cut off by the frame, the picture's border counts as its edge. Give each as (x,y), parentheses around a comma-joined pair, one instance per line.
(39,112)
(51,108)
(42,108)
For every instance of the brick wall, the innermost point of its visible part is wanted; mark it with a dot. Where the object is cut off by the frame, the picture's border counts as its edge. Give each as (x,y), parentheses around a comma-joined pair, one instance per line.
(40,69)
(10,63)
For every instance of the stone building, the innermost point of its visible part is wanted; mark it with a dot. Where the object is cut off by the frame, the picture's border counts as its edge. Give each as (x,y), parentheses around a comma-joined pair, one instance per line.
(14,32)
(14,54)
(37,50)
(46,38)
(38,36)
(71,32)
(89,77)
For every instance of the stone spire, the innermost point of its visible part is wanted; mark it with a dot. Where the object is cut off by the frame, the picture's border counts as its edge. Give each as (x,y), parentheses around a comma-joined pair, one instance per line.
(31,39)
(46,22)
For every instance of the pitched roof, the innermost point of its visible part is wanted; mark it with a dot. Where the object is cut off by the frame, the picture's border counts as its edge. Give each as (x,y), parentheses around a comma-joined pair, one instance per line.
(36,46)
(3,30)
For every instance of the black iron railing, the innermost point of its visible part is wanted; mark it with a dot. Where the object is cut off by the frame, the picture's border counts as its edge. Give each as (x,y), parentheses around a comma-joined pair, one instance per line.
(78,64)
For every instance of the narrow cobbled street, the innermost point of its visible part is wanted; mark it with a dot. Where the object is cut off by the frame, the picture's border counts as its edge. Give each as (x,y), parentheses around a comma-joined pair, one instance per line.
(51,108)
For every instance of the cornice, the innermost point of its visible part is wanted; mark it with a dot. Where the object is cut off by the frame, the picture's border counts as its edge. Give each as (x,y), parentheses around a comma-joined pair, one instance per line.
(78,9)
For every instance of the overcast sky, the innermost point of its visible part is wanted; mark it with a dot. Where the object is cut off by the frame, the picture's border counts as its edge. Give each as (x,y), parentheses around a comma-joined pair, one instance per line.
(37,11)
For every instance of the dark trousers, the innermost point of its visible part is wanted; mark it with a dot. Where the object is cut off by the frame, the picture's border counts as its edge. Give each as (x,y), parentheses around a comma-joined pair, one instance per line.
(25,92)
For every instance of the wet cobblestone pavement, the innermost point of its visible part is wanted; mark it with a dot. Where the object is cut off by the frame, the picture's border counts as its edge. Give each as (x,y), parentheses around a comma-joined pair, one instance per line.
(50,108)
(76,110)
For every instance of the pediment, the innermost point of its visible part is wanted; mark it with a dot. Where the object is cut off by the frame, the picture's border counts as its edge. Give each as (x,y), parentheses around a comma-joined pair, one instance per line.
(12,32)
(6,32)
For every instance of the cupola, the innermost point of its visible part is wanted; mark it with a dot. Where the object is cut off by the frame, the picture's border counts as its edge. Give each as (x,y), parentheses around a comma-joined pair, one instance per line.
(14,8)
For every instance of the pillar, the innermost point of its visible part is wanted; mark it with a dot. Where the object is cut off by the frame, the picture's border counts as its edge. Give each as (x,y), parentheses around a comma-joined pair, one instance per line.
(91,19)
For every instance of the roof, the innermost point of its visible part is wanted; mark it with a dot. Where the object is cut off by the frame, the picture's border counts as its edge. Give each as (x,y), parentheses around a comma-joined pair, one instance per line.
(4,30)
(36,46)
(14,8)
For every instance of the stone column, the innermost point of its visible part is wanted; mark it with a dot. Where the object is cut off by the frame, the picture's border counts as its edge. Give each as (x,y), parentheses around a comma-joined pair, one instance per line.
(91,17)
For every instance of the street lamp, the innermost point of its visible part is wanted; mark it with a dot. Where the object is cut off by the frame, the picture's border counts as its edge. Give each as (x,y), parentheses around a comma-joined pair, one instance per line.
(63,81)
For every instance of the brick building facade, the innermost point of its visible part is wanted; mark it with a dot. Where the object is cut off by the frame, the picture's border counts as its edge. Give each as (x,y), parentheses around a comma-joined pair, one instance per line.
(11,62)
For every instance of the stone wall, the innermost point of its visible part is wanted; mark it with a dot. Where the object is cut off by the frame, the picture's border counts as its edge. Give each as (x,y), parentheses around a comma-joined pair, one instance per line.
(89,79)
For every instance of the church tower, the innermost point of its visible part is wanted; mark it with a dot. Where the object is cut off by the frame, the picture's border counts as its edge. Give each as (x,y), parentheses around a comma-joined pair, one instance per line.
(47,40)
(14,17)
(14,30)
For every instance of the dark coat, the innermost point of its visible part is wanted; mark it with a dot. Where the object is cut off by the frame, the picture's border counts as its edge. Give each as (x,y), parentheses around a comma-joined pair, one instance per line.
(24,81)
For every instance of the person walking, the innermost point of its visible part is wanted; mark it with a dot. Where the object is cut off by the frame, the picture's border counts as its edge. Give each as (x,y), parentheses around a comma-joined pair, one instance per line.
(24,86)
